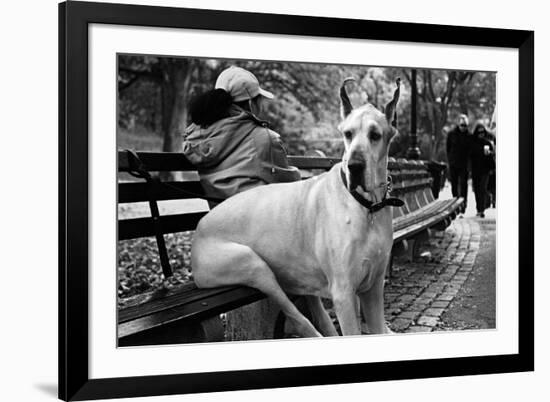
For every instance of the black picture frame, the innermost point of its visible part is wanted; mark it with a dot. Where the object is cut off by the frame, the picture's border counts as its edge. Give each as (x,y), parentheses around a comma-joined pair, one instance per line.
(74,381)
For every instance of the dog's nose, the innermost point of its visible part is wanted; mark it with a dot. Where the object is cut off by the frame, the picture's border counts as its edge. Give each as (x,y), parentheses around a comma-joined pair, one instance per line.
(356,166)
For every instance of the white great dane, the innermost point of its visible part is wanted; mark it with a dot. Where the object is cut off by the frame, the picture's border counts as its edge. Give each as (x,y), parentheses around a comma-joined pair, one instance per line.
(329,236)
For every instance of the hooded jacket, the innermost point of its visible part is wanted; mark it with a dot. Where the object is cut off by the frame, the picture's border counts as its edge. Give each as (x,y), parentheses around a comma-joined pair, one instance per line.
(237,153)
(482,163)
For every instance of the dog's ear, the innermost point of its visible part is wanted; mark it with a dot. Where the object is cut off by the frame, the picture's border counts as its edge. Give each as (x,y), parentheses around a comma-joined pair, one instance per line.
(346,106)
(394,135)
(390,109)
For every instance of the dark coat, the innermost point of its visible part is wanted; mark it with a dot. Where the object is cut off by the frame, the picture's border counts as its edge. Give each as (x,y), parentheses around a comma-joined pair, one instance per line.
(458,148)
(482,163)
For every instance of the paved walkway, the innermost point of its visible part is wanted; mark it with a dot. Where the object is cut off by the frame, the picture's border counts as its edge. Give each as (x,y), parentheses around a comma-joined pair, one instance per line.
(420,292)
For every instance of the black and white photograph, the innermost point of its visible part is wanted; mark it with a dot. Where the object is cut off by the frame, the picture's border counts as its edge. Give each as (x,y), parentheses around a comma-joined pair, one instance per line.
(267,200)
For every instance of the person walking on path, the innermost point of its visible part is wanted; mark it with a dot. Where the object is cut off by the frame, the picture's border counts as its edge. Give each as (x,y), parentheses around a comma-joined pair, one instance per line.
(458,150)
(232,148)
(482,156)
(492,185)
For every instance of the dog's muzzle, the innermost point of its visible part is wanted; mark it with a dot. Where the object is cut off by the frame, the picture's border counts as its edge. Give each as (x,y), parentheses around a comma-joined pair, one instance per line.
(356,174)
(369,204)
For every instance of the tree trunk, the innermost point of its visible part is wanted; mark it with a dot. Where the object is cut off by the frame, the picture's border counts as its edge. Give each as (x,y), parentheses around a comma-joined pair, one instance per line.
(176,83)
(464,79)
(437,136)
(439,123)
(463,99)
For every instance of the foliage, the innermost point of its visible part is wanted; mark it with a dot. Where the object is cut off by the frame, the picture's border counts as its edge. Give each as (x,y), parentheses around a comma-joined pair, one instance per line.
(154,92)
(139,265)
(139,93)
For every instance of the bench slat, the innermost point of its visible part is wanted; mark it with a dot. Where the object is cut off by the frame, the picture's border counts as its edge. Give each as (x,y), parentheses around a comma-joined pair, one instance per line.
(444,210)
(197,310)
(413,229)
(143,227)
(177,162)
(138,191)
(151,296)
(162,300)
(420,214)
(402,188)
(312,162)
(157,161)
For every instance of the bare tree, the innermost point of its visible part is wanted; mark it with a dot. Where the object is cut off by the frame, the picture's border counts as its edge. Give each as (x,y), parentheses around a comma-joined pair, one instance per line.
(437,91)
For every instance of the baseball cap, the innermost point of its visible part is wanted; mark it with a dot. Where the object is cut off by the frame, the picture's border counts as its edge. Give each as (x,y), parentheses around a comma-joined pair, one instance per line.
(241,84)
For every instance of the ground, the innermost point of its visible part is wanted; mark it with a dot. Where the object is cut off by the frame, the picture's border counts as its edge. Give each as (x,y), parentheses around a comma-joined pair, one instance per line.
(451,287)
(474,306)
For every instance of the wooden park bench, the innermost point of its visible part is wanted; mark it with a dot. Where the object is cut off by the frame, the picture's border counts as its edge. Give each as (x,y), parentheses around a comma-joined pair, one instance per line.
(186,314)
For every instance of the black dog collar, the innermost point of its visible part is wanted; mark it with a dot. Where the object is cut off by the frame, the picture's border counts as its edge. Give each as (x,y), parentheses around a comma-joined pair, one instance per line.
(374,206)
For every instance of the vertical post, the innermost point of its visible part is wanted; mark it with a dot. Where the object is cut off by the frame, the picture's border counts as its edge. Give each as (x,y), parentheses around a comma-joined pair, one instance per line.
(413,152)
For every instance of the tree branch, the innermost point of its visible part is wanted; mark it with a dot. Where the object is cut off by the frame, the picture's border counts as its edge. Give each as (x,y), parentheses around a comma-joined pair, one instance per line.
(125,85)
(428,79)
(407,76)
(135,76)
(141,73)
(449,88)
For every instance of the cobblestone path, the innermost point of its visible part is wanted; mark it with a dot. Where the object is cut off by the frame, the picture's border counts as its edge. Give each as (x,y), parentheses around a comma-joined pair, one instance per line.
(419,292)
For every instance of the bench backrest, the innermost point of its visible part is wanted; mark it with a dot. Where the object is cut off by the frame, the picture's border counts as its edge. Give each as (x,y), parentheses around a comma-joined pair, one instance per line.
(190,188)
(412,182)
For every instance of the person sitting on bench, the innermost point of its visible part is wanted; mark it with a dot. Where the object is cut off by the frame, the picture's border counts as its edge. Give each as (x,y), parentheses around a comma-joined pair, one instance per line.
(231,147)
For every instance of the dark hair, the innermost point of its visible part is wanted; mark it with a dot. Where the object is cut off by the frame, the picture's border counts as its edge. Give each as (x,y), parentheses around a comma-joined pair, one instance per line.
(479,127)
(209,107)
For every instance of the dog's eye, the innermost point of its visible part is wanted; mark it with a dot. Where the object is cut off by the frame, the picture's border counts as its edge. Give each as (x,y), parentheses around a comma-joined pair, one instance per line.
(375,135)
(348,134)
